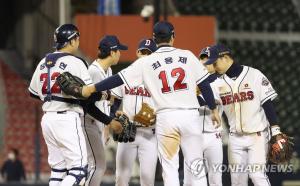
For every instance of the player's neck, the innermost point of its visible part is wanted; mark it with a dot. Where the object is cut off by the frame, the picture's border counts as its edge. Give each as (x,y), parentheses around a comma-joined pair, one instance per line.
(164,45)
(234,70)
(104,63)
(66,49)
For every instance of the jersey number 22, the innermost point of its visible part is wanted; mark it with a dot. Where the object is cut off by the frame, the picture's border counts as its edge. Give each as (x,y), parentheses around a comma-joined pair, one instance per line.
(55,88)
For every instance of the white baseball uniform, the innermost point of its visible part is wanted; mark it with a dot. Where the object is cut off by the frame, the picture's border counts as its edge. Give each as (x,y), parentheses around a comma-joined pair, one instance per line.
(94,130)
(145,144)
(212,141)
(242,101)
(62,122)
(171,76)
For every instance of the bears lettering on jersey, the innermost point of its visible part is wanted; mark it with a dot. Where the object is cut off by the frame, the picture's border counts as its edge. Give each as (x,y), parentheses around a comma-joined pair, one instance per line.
(237,97)
(137,91)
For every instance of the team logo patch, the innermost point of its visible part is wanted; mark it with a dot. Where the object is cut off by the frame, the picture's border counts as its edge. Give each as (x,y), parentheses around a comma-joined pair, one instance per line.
(207,51)
(265,81)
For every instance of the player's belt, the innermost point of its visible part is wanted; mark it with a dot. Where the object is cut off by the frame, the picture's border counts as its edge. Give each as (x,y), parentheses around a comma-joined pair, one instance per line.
(242,134)
(61,112)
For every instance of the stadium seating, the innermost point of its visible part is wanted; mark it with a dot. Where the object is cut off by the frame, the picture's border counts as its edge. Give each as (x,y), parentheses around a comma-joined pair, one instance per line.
(23,116)
(255,15)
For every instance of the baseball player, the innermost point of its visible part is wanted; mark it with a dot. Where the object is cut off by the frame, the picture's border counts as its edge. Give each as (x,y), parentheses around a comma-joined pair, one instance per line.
(246,96)
(171,76)
(145,145)
(212,141)
(97,135)
(62,119)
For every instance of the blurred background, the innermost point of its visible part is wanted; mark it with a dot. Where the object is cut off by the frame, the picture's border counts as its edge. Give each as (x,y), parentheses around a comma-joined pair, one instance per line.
(263,34)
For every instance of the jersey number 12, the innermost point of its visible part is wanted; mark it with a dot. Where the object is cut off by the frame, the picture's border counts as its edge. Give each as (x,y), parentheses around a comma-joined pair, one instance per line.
(178,73)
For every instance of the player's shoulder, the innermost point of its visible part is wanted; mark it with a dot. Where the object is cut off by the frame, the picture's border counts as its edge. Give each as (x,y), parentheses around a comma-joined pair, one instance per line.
(75,60)
(93,66)
(218,82)
(142,60)
(254,71)
(186,52)
(42,61)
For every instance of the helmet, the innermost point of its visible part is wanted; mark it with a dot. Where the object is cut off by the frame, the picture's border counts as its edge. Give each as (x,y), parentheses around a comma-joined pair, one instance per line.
(63,34)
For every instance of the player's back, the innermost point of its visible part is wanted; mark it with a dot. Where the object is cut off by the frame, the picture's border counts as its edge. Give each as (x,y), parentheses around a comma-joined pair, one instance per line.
(38,85)
(171,75)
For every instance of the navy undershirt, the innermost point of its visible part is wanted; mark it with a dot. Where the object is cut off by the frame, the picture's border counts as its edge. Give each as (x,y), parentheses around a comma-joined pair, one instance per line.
(109,83)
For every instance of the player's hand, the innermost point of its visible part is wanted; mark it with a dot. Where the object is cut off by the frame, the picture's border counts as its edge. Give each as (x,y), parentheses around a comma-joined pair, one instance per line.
(119,113)
(88,90)
(216,118)
(116,126)
(111,100)
(217,102)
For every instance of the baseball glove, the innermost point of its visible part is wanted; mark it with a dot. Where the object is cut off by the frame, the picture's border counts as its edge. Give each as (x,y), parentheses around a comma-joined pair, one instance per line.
(70,84)
(129,130)
(145,117)
(280,149)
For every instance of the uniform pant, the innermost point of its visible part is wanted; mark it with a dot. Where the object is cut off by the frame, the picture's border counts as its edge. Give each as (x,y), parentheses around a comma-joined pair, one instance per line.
(248,151)
(95,151)
(180,128)
(145,148)
(213,155)
(63,134)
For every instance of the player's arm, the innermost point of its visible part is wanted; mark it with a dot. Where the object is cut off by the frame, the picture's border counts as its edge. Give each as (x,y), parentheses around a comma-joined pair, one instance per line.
(34,84)
(270,112)
(131,76)
(267,95)
(207,94)
(108,83)
(98,114)
(201,76)
(211,78)
(201,101)
(115,107)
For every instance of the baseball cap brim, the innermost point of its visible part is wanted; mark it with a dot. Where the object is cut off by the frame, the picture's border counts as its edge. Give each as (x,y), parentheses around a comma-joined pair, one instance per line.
(122,47)
(210,61)
(203,55)
(144,48)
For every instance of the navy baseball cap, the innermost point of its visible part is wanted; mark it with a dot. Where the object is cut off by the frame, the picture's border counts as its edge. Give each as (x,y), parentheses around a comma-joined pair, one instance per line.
(163,29)
(204,53)
(216,51)
(147,44)
(111,42)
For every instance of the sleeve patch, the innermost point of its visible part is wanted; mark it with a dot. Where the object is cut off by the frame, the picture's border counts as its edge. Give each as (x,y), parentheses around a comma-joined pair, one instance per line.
(265,82)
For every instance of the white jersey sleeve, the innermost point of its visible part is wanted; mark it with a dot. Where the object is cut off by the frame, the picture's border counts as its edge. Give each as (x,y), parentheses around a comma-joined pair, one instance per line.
(82,72)
(267,92)
(132,76)
(117,92)
(200,72)
(95,73)
(34,83)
